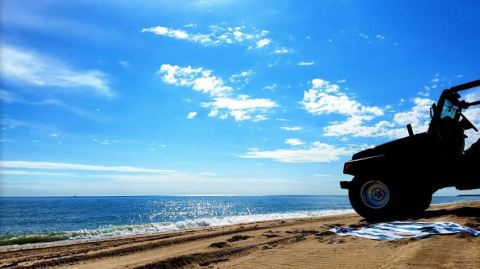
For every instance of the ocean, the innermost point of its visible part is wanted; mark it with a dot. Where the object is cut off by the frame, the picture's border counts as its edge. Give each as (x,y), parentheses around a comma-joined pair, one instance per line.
(47,219)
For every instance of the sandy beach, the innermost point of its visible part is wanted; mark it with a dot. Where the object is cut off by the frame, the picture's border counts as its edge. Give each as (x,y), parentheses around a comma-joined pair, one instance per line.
(294,243)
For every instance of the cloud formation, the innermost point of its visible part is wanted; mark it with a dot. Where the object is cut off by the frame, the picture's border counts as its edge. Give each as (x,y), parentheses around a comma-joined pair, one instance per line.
(216,36)
(316,152)
(393,127)
(199,79)
(282,50)
(242,77)
(191,115)
(263,42)
(293,128)
(73,166)
(224,103)
(325,98)
(26,67)
(271,87)
(293,141)
(362,120)
(472,114)
(240,108)
(305,63)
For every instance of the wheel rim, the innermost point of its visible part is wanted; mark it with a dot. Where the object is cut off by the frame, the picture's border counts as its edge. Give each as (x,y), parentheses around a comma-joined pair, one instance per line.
(375,194)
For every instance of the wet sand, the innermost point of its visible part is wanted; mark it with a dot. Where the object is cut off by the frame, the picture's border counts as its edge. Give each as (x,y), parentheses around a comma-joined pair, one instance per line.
(295,243)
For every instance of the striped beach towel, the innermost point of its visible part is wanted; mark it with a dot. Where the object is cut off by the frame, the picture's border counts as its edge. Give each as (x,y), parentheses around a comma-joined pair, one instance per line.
(397,230)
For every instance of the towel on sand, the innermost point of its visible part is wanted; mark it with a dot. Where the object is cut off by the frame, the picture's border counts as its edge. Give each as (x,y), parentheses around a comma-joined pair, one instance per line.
(397,230)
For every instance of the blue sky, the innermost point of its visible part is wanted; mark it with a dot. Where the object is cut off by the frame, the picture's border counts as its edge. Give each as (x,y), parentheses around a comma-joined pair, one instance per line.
(218,97)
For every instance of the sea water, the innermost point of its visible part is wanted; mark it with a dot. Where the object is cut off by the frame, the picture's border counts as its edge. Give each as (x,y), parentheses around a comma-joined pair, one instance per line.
(46,219)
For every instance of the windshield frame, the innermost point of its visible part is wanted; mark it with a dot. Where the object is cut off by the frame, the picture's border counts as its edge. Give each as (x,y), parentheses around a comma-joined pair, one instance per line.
(450,109)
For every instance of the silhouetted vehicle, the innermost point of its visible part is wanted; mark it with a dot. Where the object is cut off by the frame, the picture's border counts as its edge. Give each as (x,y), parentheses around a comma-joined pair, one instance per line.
(398,178)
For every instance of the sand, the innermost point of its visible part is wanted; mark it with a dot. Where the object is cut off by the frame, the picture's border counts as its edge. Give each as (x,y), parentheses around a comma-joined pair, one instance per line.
(296,243)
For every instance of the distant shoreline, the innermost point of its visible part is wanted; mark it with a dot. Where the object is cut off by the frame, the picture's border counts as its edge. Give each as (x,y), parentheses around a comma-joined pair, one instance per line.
(206,195)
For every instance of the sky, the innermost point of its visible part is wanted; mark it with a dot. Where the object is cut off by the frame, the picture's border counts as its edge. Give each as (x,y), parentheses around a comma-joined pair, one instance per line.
(218,97)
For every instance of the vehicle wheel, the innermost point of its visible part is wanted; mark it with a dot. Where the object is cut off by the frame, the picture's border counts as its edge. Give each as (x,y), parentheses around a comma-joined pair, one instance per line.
(419,203)
(373,198)
(424,202)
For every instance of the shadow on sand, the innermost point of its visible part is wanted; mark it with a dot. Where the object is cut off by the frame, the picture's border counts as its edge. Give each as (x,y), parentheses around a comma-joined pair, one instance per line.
(465,212)
(459,212)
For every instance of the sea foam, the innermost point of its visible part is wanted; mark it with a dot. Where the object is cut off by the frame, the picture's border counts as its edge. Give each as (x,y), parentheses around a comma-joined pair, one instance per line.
(160,227)
(149,228)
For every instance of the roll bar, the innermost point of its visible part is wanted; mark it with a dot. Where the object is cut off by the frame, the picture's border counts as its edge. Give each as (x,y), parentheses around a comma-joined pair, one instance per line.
(465,86)
(467,105)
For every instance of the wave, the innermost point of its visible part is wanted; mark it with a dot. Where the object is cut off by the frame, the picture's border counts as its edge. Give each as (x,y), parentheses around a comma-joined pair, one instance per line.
(32,238)
(159,227)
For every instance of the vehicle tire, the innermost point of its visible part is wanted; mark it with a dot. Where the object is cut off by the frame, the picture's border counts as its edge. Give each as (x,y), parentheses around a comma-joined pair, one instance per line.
(425,201)
(419,203)
(374,199)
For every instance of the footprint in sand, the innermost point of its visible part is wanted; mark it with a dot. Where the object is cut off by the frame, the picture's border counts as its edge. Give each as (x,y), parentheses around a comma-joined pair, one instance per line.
(218,245)
(236,238)
(271,235)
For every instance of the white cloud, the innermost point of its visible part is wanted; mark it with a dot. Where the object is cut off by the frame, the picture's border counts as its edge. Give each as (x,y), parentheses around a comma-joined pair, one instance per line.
(322,175)
(359,125)
(362,35)
(317,152)
(473,96)
(472,114)
(355,126)
(198,79)
(156,147)
(216,36)
(24,66)
(282,51)
(326,98)
(32,173)
(418,115)
(271,87)
(240,108)
(191,115)
(294,128)
(72,166)
(293,141)
(223,105)
(362,121)
(242,77)
(304,63)
(263,42)
(242,103)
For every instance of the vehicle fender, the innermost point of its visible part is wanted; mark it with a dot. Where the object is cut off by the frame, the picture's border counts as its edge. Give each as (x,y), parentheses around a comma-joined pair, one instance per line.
(368,165)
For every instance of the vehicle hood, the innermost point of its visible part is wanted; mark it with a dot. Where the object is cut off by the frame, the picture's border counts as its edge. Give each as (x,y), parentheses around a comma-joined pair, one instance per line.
(395,145)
